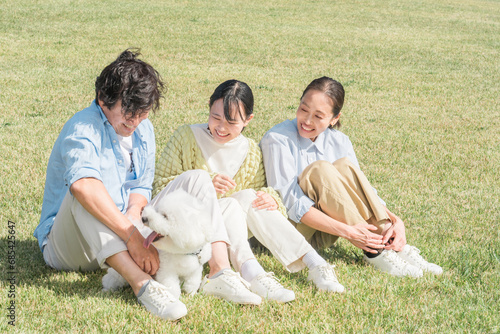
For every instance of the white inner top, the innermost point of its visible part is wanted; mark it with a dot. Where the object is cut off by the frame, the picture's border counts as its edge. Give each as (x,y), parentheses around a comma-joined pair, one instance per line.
(221,158)
(126,146)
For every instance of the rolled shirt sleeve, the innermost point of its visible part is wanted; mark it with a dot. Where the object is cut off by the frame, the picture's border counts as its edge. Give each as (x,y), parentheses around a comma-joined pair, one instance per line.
(79,159)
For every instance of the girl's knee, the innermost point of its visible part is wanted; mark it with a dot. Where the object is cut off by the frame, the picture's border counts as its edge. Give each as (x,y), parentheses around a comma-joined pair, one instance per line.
(229,201)
(245,197)
(197,174)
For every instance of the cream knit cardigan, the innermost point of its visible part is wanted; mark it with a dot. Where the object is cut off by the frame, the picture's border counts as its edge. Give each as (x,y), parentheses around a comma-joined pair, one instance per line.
(182,154)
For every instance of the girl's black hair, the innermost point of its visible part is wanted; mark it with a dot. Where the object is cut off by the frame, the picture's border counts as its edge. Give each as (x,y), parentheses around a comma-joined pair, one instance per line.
(233,92)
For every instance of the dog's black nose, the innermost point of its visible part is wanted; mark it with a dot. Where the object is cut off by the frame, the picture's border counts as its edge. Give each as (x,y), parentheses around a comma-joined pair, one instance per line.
(145,220)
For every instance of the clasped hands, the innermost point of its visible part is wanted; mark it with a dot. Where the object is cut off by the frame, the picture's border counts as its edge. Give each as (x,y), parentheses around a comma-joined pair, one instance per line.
(392,237)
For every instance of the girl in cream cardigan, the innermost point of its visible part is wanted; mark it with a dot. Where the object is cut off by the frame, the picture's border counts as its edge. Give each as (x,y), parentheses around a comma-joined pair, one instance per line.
(247,204)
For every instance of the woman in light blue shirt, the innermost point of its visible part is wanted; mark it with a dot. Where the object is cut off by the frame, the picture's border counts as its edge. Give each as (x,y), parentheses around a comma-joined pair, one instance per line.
(314,168)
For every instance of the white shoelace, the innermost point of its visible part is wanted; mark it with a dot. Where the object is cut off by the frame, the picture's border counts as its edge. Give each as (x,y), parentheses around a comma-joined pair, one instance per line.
(270,282)
(158,294)
(414,254)
(395,260)
(328,273)
(235,280)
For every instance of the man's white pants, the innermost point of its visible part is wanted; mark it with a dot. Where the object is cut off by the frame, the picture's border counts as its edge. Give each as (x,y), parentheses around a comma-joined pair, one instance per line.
(78,241)
(270,227)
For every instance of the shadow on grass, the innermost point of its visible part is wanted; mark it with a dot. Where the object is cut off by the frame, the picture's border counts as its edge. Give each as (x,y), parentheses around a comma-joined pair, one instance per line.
(336,254)
(30,270)
(332,254)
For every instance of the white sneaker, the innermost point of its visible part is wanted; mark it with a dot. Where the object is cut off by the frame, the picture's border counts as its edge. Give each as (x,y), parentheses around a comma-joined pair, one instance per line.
(267,286)
(389,262)
(324,278)
(160,302)
(411,254)
(230,286)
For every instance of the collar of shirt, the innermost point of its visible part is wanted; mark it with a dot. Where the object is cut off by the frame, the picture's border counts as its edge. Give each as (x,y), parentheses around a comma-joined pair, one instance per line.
(306,144)
(103,116)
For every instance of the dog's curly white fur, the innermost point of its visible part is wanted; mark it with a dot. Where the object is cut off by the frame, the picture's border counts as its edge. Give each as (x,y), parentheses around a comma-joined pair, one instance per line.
(185,231)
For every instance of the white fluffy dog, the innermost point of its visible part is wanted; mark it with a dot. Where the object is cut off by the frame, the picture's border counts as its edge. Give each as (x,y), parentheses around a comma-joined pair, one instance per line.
(182,233)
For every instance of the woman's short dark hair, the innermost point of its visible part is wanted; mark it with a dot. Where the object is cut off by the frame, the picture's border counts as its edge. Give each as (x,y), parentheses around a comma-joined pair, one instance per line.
(233,92)
(136,83)
(333,89)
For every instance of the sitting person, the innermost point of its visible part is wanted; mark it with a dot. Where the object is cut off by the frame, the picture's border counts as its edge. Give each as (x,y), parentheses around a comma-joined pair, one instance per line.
(314,168)
(235,165)
(99,177)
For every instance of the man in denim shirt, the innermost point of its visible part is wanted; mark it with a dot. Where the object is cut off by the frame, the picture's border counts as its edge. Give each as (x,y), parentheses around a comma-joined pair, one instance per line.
(99,177)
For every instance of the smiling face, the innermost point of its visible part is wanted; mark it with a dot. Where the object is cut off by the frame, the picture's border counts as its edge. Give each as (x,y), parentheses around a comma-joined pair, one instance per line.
(315,114)
(224,130)
(124,126)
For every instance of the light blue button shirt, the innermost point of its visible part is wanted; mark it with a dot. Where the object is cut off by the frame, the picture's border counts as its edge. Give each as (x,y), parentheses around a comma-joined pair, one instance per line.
(286,154)
(88,147)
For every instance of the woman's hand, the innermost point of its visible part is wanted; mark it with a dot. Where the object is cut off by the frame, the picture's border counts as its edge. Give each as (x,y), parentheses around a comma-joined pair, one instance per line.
(264,201)
(395,235)
(362,237)
(223,183)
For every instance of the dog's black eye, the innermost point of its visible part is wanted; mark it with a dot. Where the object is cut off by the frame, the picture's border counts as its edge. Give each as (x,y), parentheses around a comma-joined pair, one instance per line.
(165,215)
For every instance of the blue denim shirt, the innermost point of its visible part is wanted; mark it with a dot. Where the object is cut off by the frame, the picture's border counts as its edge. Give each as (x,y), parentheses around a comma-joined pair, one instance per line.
(88,147)
(286,154)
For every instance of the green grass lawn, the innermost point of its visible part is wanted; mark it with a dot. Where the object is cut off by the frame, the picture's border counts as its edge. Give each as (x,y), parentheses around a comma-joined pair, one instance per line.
(422,110)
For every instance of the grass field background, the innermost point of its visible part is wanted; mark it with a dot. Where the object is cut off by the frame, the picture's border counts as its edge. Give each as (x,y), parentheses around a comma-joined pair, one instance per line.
(422,110)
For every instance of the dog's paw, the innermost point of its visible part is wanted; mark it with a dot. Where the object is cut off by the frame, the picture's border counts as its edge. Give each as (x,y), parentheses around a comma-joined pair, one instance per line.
(192,283)
(112,281)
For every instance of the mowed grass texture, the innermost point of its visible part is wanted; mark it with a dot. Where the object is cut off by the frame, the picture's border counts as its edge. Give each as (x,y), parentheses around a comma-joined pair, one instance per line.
(422,110)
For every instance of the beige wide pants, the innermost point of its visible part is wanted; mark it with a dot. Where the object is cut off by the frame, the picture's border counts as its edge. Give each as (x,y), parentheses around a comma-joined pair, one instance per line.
(270,227)
(78,241)
(343,192)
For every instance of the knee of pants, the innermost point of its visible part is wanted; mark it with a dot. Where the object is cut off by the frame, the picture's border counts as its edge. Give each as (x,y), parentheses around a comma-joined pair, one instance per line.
(245,197)
(200,183)
(199,175)
(227,202)
(317,167)
(343,165)
(315,175)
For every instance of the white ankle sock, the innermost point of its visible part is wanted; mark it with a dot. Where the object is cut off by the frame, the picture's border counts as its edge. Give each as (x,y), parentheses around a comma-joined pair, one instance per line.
(251,269)
(312,259)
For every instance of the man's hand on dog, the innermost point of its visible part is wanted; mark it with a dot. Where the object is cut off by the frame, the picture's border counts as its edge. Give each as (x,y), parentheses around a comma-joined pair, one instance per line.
(146,258)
